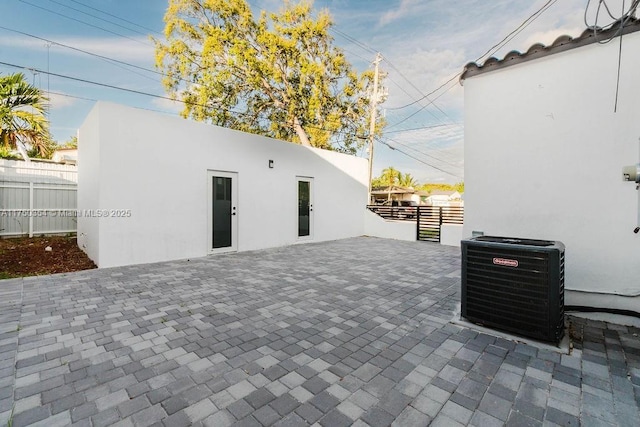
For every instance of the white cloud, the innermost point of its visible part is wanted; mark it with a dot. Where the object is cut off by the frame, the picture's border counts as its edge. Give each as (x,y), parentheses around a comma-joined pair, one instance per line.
(548,37)
(138,49)
(405,8)
(168,105)
(60,100)
(427,70)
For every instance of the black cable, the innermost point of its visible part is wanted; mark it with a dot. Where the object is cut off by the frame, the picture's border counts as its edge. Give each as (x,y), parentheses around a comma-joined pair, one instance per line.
(497,46)
(353,40)
(83,22)
(421,128)
(523,25)
(106,58)
(422,153)
(623,19)
(138,92)
(418,90)
(519,28)
(615,105)
(419,160)
(72,96)
(431,101)
(622,312)
(428,94)
(97,17)
(115,16)
(106,85)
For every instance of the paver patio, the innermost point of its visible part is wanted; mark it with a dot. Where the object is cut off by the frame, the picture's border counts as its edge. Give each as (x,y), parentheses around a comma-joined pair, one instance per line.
(350,332)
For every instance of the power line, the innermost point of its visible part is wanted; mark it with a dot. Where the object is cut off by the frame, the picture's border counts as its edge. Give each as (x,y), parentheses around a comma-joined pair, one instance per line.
(152,95)
(83,22)
(419,91)
(419,160)
(518,29)
(97,17)
(73,96)
(369,49)
(422,153)
(353,40)
(431,101)
(422,127)
(106,58)
(115,16)
(505,40)
(109,86)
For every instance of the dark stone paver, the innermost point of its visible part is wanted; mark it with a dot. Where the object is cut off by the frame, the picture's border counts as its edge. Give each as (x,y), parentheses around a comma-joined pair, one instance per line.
(337,333)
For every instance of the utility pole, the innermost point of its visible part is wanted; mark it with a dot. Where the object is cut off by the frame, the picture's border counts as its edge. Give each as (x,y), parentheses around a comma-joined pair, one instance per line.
(372,126)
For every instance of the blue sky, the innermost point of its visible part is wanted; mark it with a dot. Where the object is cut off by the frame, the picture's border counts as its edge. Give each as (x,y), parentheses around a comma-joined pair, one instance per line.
(424,43)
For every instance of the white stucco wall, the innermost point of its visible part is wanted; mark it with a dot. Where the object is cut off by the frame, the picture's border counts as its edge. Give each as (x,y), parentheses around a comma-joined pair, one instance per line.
(451,234)
(544,151)
(156,166)
(89,192)
(376,226)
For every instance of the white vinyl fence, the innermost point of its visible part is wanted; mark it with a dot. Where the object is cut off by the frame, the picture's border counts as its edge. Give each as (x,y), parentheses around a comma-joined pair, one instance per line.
(34,205)
(19,167)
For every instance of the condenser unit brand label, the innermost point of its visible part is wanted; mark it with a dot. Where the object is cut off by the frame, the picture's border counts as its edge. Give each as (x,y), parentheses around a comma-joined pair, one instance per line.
(505,262)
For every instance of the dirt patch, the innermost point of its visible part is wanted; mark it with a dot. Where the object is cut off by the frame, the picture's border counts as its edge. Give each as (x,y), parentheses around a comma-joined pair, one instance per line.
(28,256)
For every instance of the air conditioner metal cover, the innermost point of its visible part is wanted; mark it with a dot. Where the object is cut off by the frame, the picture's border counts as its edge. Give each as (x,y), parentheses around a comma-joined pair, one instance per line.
(515,285)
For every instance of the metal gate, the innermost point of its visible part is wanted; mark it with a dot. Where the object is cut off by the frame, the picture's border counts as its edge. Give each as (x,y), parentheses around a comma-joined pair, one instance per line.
(429,220)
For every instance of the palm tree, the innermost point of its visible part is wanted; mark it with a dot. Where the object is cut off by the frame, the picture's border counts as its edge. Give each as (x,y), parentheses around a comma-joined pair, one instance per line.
(23,118)
(406,180)
(390,176)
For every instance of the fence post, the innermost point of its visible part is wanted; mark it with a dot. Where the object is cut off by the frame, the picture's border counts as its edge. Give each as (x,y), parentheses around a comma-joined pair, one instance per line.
(440,224)
(31,209)
(418,222)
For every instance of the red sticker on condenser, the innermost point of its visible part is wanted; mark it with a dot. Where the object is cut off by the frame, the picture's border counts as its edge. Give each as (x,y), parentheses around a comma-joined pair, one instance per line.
(505,262)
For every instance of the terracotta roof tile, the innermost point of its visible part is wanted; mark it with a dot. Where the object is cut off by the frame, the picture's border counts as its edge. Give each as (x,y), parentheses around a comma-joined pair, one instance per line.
(539,50)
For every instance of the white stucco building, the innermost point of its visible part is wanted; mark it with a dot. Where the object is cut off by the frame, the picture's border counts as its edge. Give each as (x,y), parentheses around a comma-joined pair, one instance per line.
(155,188)
(545,143)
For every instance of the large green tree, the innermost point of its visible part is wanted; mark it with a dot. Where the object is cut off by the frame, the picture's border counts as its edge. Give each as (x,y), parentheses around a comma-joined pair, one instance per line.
(277,75)
(430,187)
(23,117)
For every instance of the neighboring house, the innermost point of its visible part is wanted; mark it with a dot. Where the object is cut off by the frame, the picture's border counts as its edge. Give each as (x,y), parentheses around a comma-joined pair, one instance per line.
(394,192)
(546,130)
(65,155)
(443,198)
(156,188)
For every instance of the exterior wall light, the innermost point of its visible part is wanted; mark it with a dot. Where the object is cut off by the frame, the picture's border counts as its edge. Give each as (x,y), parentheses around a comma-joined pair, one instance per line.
(270,164)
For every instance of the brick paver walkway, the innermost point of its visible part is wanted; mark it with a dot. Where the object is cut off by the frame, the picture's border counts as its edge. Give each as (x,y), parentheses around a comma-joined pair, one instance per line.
(351,332)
